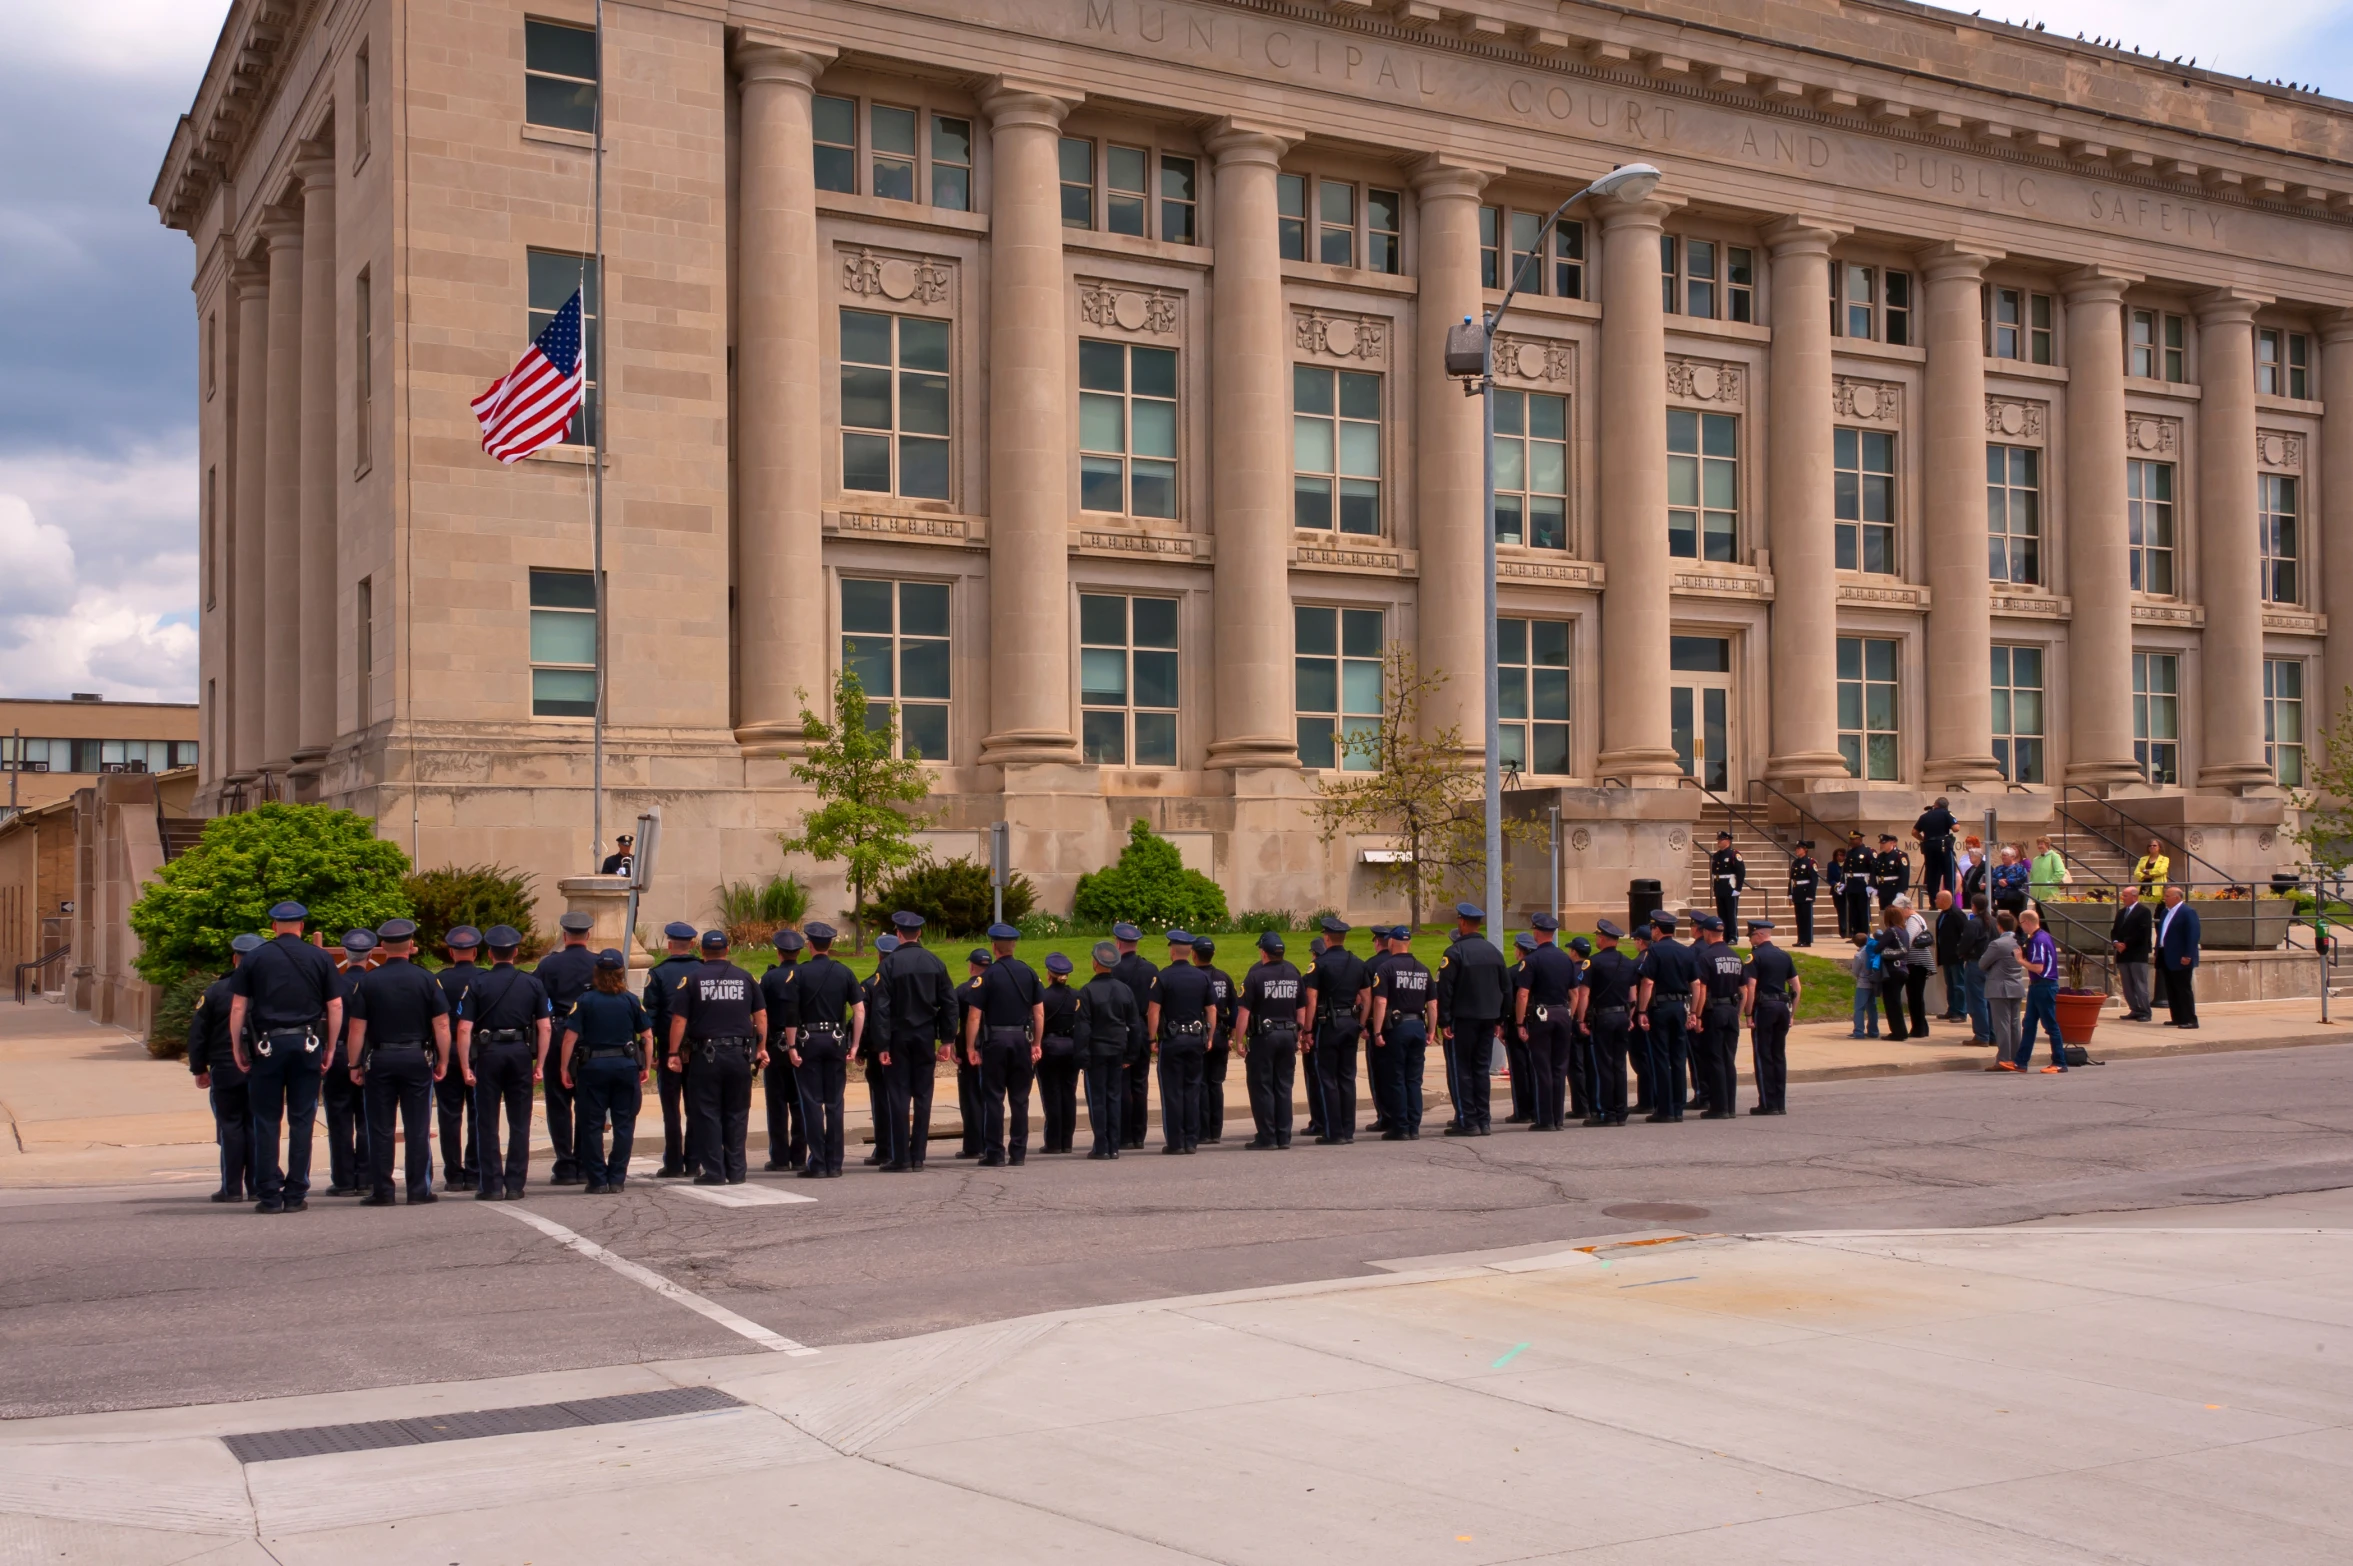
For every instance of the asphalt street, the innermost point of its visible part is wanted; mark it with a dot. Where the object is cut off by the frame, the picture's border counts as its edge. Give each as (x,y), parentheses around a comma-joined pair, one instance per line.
(141,1297)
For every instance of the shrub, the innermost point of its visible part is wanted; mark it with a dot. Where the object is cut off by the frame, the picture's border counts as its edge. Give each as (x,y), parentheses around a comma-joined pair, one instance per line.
(1149,886)
(175,1008)
(953,895)
(479,895)
(1038,926)
(327,859)
(1257,921)
(752,911)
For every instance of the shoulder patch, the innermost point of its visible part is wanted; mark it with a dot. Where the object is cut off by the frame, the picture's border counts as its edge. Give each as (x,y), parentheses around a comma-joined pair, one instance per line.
(1444,960)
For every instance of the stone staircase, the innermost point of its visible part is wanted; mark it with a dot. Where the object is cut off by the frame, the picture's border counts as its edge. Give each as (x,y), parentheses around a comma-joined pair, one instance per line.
(2097,863)
(1768,866)
(180,833)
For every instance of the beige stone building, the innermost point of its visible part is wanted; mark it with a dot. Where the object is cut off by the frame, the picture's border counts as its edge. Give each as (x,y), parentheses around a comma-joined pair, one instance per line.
(1968,409)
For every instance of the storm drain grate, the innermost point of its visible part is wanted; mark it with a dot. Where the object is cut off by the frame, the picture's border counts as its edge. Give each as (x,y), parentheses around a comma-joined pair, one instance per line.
(268,1446)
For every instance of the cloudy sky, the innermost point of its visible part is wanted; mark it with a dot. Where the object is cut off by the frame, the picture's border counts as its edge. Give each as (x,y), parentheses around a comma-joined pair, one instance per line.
(97,339)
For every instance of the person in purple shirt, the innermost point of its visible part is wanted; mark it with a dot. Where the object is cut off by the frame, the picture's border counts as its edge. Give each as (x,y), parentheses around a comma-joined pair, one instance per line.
(2040,954)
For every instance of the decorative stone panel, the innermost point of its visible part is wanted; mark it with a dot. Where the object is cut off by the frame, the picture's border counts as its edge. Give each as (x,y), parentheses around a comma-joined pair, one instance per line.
(900,279)
(1868,402)
(1118,307)
(2190,615)
(1555,572)
(2041,606)
(1884,595)
(2150,437)
(1533,359)
(2014,420)
(1364,337)
(1707,380)
(907,529)
(1750,586)
(1371,558)
(2282,451)
(1140,544)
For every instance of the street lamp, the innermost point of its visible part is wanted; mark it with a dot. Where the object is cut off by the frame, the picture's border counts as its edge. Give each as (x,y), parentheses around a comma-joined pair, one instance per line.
(1470,354)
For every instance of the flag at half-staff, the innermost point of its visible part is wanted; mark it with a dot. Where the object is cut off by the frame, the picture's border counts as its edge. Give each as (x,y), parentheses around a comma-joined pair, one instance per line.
(530,406)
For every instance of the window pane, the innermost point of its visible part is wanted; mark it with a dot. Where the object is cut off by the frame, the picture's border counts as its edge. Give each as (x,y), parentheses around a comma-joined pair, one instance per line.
(1511,688)
(1102,484)
(1155,622)
(1154,432)
(1154,371)
(1156,679)
(1360,686)
(1315,742)
(923,345)
(923,669)
(923,404)
(1311,445)
(559,105)
(1311,503)
(1360,633)
(1360,449)
(1152,488)
(1102,422)
(1316,631)
(1682,430)
(1123,169)
(1317,685)
(866,337)
(1103,676)
(1156,739)
(1360,395)
(866,463)
(563,590)
(1360,506)
(562,636)
(1548,643)
(923,468)
(923,732)
(563,693)
(1548,693)
(1311,390)
(1102,620)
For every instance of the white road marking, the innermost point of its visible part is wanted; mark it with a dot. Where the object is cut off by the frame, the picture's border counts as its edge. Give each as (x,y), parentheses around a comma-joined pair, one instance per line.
(714,1311)
(745,1195)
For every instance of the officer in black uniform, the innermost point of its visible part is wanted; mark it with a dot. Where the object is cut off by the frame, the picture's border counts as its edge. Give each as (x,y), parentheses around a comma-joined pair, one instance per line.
(1331,1022)
(1377,1061)
(345,1105)
(716,1015)
(1722,978)
(1728,878)
(1473,988)
(1107,1023)
(214,1065)
(1267,1024)
(1181,1015)
(1312,1086)
(623,859)
(608,1056)
(284,1007)
(1399,1027)
(668,1081)
(1805,880)
(1546,1010)
(1862,869)
(1663,1016)
(831,1009)
(1580,1083)
(1518,1073)
(1934,833)
(1770,998)
(788,1136)
(502,1043)
(1004,1038)
(453,1090)
(565,975)
(916,1018)
(1891,872)
(400,1048)
(1058,1063)
(968,1107)
(872,1055)
(1611,982)
(1212,1096)
(1135,970)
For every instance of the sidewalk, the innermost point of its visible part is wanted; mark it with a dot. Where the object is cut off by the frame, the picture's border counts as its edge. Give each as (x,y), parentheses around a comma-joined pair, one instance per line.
(85,1105)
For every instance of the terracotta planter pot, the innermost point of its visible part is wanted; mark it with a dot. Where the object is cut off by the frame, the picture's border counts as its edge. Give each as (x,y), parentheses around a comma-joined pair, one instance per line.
(2079,1014)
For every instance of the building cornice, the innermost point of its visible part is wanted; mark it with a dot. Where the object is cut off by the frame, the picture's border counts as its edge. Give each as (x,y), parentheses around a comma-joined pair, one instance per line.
(248,66)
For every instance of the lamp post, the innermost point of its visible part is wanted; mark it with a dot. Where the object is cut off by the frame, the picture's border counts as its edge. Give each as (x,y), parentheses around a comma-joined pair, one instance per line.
(1470,355)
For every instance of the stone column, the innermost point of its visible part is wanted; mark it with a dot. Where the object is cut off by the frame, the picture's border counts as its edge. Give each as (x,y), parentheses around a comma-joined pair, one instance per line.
(2099,554)
(1959,694)
(2230,578)
(281,603)
(2336,516)
(1450,477)
(1250,437)
(1030,452)
(322,407)
(248,594)
(1637,742)
(1801,507)
(780,608)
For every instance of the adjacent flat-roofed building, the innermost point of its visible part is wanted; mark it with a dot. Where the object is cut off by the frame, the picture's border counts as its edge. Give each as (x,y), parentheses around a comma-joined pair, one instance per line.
(1968,409)
(50,748)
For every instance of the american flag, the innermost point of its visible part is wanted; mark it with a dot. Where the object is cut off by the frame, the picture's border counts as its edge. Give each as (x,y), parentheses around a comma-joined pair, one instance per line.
(529,406)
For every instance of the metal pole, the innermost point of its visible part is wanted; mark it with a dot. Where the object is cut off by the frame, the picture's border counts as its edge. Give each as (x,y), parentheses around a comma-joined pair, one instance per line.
(596,463)
(1495,912)
(1556,865)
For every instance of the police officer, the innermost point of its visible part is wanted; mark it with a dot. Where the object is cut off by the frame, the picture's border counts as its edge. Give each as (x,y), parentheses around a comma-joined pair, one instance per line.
(1378,1076)
(1213,1064)
(1309,1081)
(1473,988)
(1004,1038)
(1135,970)
(968,1106)
(284,1007)
(1891,873)
(1181,1015)
(1728,878)
(916,1017)
(1716,1007)
(1058,1062)
(716,1014)
(1805,880)
(345,1105)
(830,1009)
(1333,1022)
(565,975)
(453,1090)
(623,859)
(1934,833)
(1546,1010)
(669,1081)
(1862,868)
(1107,1022)
(873,1055)
(1518,1074)
(399,1049)
(1612,981)
(1400,1030)
(1770,998)
(1663,1017)
(214,1065)
(502,1042)
(608,1055)
(788,1144)
(1580,1083)
(1267,1033)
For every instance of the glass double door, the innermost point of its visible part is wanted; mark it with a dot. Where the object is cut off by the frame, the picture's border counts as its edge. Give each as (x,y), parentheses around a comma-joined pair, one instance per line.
(1699,700)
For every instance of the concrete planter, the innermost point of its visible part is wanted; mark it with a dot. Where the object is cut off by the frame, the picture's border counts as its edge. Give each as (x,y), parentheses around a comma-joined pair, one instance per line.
(2230,924)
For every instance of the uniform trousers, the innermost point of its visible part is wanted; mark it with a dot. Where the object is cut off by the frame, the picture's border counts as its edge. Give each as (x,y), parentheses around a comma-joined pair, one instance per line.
(1610,1026)
(788,1130)
(232,1128)
(719,1107)
(502,1090)
(1380,1079)
(606,1088)
(284,1085)
(1669,1048)
(1474,1050)
(1335,1074)
(822,1076)
(1938,876)
(968,1103)
(1314,1086)
(1106,1101)
(1006,1076)
(1728,908)
(1856,904)
(671,1086)
(1058,1074)
(1135,1106)
(1717,1062)
(1521,1068)
(1182,1056)
(878,1103)
(1580,1084)
(1804,908)
(1549,1028)
(1769,1051)
(907,1089)
(347,1124)
(400,1079)
(454,1103)
(1446,1056)
(1213,1091)
(1402,1050)
(1268,1068)
(565,1168)
(2181,995)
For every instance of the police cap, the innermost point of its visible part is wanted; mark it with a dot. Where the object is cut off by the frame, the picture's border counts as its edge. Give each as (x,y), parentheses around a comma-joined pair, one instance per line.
(462,938)
(576,923)
(288,912)
(1203,946)
(1706,922)
(679,930)
(1805,842)
(1754,925)
(358,942)
(1126,932)
(1524,941)
(788,940)
(1581,946)
(886,944)
(624,838)
(714,940)
(905,919)
(1723,837)
(1604,927)
(979,957)
(611,958)
(502,937)
(1003,932)
(1180,937)
(819,930)
(1333,924)
(1269,941)
(1469,911)
(1662,920)
(1106,954)
(1056,963)
(1887,837)
(1543,921)
(247,944)
(397,930)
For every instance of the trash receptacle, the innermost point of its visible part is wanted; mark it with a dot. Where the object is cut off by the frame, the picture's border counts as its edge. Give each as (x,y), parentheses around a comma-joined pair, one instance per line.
(1643,898)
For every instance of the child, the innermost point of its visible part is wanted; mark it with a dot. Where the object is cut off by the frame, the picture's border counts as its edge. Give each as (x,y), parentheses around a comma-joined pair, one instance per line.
(1866,970)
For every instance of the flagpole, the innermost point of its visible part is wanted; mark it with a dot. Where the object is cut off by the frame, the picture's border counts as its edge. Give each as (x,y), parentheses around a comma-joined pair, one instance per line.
(596,461)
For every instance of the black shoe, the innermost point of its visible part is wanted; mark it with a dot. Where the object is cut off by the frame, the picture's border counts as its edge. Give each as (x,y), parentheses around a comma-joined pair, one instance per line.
(424,1196)
(966,1152)
(1760,1110)
(1413,1136)
(833,1174)
(1392,1136)
(773,1167)
(705,1179)
(1460,1131)
(296,1205)
(1718,1114)
(812,1173)
(269,1207)
(227,1196)
(1259,1144)
(568,1180)
(596,1188)
(343,1190)
(1598,1120)
(673,1172)
(1190,1148)
(377,1199)
(1016,1160)
(1515,1120)
(1486,1131)
(489,1196)
(992,1160)
(1283,1146)
(1659,1117)
(514,1193)
(1171,1151)
(1327,1141)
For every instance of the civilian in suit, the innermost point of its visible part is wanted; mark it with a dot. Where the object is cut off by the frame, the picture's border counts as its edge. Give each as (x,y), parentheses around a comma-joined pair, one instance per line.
(2131,935)
(2177,954)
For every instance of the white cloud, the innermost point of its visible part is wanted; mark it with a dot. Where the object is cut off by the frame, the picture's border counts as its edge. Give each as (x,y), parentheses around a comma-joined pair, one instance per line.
(119,38)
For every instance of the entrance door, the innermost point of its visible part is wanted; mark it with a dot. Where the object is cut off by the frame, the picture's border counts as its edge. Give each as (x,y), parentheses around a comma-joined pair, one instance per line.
(1700,701)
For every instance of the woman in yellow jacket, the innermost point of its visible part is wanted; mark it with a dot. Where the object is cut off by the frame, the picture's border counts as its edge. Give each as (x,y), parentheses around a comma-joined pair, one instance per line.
(2152,870)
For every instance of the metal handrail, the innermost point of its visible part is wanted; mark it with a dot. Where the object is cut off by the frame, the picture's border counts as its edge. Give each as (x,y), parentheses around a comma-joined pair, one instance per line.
(25,970)
(1740,812)
(2221,876)
(1830,833)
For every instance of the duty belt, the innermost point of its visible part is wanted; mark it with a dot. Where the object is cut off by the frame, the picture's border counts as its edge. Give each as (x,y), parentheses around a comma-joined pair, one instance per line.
(383,1044)
(1270,1025)
(709,1048)
(1660,997)
(1184,1029)
(270,1036)
(502,1036)
(1609,1011)
(608,1051)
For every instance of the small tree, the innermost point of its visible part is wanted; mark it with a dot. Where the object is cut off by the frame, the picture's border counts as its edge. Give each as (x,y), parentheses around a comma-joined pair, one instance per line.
(1149,885)
(863,787)
(2325,808)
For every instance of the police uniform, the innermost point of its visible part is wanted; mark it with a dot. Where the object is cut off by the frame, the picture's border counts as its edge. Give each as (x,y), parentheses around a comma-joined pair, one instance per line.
(342,1100)
(715,1013)
(1862,868)
(565,975)
(1727,878)
(1611,981)
(505,1013)
(1716,1062)
(671,1085)
(1552,982)
(1378,1075)
(213,1062)
(1402,987)
(1212,1097)
(1107,1022)
(453,1095)
(1935,827)
(400,1056)
(286,984)
(1774,976)
(604,1054)
(1473,986)
(1805,881)
(622,860)
(1312,1085)
(915,1014)
(1135,970)
(1271,993)
(1670,969)
(873,1044)
(788,1133)
(1337,981)
(1580,1077)
(1187,1002)
(969,1115)
(1518,1074)
(1007,1001)
(827,1002)
(1891,874)
(1058,1062)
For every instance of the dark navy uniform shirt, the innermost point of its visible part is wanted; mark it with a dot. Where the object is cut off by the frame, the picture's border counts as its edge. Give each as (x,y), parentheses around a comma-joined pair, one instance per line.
(1135,970)
(1552,974)
(824,991)
(1221,994)
(506,1000)
(1472,981)
(658,985)
(717,1000)
(780,993)
(1773,969)
(286,984)
(1271,994)
(1337,978)
(1727,871)
(456,980)
(604,1021)
(1108,1017)
(566,975)
(1672,969)
(1609,981)
(1061,1003)
(914,998)
(1722,971)
(1185,997)
(1008,990)
(208,1029)
(1804,877)
(1404,984)
(398,1001)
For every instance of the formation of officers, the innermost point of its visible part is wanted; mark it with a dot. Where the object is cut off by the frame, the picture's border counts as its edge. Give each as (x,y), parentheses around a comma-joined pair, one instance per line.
(290,1028)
